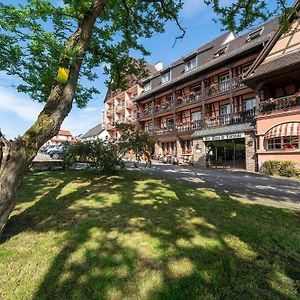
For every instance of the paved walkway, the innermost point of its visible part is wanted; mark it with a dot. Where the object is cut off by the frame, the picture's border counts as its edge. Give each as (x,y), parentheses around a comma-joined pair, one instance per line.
(279,192)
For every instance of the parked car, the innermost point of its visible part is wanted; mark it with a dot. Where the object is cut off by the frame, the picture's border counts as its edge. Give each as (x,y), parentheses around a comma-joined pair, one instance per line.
(53,149)
(57,153)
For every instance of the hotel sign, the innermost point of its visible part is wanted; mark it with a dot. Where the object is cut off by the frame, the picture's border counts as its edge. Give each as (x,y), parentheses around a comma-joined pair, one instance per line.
(224,137)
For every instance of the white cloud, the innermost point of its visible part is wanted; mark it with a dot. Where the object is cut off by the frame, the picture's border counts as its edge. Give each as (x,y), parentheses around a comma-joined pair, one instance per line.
(90,109)
(80,122)
(12,101)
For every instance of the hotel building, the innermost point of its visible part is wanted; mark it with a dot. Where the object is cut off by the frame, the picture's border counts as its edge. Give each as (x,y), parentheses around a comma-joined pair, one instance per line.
(198,108)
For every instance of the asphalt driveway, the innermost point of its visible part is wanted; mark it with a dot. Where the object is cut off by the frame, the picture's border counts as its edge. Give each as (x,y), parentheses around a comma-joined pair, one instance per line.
(279,192)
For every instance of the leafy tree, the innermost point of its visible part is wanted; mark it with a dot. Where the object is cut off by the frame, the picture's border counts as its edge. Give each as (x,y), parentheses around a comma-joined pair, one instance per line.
(107,155)
(38,37)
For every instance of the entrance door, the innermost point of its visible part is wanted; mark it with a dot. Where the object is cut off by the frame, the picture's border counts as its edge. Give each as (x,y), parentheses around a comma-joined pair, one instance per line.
(226,154)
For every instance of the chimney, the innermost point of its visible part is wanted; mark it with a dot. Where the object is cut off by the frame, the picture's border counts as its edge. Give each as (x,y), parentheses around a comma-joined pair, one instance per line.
(159,66)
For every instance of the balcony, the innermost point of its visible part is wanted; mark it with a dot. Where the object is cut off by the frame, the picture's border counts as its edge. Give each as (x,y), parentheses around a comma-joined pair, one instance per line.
(163,107)
(120,108)
(130,120)
(162,131)
(188,126)
(130,104)
(109,126)
(190,98)
(144,114)
(231,119)
(218,88)
(110,112)
(283,103)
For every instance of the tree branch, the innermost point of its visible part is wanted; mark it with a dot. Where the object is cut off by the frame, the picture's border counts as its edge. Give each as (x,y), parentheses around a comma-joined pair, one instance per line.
(174,17)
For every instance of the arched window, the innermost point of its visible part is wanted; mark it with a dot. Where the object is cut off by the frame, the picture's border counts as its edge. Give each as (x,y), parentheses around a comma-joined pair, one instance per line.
(283,136)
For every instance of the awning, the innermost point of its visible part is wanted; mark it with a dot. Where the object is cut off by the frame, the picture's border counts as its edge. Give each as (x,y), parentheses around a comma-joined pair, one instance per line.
(285,129)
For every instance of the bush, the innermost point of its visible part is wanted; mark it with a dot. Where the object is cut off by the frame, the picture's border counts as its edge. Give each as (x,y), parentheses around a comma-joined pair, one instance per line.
(284,168)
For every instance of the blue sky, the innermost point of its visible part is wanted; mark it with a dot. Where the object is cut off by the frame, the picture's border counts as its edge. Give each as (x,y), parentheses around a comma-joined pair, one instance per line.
(18,112)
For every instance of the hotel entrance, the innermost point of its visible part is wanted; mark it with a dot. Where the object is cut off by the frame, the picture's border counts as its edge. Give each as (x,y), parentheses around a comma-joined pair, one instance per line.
(227,153)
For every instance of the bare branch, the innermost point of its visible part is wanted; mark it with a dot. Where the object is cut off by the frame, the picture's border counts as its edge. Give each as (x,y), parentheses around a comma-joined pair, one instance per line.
(174,17)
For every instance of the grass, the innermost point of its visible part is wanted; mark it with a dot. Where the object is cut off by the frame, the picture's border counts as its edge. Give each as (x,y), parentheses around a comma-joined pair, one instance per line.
(77,235)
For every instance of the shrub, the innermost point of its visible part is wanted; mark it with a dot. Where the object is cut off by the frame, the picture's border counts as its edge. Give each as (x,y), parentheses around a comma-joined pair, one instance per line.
(284,168)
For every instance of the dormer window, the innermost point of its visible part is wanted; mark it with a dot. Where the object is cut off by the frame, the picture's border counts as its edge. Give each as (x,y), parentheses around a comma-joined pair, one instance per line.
(166,77)
(147,86)
(221,51)
(191,64)
(254,34)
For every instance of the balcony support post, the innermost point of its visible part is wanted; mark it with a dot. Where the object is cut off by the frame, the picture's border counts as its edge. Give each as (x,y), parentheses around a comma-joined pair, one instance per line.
(203,101)
(231,93)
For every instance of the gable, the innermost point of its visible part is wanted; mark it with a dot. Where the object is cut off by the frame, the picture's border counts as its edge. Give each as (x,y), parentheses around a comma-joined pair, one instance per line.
(287,43)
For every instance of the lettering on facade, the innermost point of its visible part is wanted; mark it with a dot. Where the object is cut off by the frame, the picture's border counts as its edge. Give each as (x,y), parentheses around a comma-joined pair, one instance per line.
(224,137)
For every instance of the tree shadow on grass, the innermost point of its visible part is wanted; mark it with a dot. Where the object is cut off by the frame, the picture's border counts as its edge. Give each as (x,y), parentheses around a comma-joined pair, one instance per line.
(132,237)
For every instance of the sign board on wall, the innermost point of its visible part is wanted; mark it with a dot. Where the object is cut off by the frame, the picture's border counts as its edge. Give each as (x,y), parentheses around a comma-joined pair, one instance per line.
(224,137)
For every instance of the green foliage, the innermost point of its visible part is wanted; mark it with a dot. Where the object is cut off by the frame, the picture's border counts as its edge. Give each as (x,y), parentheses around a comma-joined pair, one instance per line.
(33,39)
(98,154)
(284,168)
(241,14)
(107,156)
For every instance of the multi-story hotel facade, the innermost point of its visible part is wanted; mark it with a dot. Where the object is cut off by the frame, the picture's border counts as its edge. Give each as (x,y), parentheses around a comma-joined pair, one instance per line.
(120,107)
(275,76)
(198,108)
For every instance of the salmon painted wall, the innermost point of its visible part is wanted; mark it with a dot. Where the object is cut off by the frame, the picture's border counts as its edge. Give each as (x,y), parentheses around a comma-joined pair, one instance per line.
(264,123)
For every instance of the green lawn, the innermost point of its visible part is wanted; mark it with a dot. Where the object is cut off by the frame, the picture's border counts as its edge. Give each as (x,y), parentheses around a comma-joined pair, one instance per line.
(77,235)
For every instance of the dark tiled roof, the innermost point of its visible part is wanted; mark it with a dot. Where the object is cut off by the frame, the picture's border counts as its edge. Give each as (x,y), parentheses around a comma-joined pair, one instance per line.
(206,59)
(280,63)
(95,131)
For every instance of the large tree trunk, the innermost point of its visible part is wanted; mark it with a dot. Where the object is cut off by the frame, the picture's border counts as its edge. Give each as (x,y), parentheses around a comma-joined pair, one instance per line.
(13,166)
(16,156)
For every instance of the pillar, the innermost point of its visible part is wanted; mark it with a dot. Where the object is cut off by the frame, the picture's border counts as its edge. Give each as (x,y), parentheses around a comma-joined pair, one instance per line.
(199,152)
(250,151)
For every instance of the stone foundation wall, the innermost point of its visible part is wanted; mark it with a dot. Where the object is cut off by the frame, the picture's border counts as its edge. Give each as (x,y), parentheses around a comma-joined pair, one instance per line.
(250,151)
(199,152)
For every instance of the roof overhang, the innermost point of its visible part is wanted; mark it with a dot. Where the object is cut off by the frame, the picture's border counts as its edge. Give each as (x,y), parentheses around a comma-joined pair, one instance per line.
(225,130)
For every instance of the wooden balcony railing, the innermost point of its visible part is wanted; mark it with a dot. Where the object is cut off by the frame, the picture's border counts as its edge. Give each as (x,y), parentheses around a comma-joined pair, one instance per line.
(163,107)
(190,98)
(187,126)
(145,113)
(162,131)
(230,119)
(283,103)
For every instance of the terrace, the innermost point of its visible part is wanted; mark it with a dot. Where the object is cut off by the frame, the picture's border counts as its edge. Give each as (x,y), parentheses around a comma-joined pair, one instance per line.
(230,119)
(277,104)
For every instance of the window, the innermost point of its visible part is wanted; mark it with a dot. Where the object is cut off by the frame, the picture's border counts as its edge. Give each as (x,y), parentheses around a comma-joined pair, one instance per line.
(221,51)
(191,64)
(170,123)
(225,109)
(282,143)
(170,98)
(196,116)
(255,34)
(148,126)
(166,77)
(224,83)
(147,86)
(249,104)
